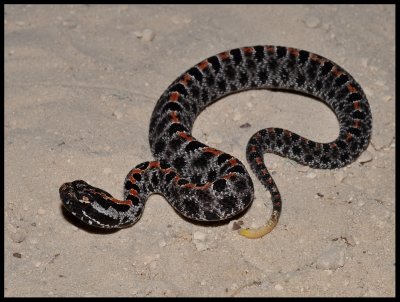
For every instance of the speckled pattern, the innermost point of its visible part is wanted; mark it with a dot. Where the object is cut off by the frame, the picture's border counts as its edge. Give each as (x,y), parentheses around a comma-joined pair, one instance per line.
(206,184)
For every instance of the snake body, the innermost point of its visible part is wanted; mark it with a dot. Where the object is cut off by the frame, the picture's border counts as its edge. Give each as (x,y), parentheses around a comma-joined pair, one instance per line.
(206,184)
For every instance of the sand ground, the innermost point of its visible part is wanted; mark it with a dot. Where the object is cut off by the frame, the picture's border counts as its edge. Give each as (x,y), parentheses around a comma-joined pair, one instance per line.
(80,86)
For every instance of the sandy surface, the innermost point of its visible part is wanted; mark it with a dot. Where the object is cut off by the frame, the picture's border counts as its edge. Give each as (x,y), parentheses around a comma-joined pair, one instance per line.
(80,87)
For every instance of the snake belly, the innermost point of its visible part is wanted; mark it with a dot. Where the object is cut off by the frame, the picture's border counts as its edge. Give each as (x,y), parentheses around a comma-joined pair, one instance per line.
(205,184)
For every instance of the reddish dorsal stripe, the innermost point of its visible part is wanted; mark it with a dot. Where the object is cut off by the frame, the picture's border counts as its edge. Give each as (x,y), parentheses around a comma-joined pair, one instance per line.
(174,96)
(174,117)
(186,79)
(230,175)
(351,88)
(253,148)
(248,50)
(224,55)
(154,164)
(233,161)
(193,186)
(259,160)
(336,72)
(316,58)
(136,171)
(349,137)
(133,192)
(185,136)
(125,202)
(203,65)
(357,105)
(357,124)
(212,151)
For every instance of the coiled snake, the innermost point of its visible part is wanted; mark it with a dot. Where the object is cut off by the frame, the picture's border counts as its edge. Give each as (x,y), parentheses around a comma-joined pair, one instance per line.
(206,184)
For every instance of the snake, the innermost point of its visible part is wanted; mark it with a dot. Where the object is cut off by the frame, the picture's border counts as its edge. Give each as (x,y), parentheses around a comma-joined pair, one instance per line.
(205,184)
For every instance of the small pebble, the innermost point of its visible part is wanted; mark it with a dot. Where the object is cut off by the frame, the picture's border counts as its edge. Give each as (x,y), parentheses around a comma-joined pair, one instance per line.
(311,175)
(17,255)
(162,243)
(339,176)
(118,114)
(312,22)
(387,98)
(278,287)
(365,157)
(331,259)
(235,225)
(199,236)
(41,211)
(18,236)
(148,35)
(200,246)
(349,240)
(245,125)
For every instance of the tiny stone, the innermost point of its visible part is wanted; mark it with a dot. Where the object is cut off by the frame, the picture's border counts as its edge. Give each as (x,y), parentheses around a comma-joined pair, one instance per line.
(162,243)
(331,259)
(199,236)
(350,240)
(387,98)
(278,287)
(235,225)
(117,114)
(18,236)
(245,125)
(17,255)
(312,22)
(200,246)
(148,35)
(311,175)
(366,156)
(360,203)
(41,211)
(339,176)
(37,264)
(138,34)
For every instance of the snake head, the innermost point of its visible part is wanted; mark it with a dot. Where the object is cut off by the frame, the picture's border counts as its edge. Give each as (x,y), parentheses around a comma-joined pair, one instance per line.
(94,206)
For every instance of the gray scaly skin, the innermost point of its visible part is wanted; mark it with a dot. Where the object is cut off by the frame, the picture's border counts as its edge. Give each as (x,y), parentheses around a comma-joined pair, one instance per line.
(206,184)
